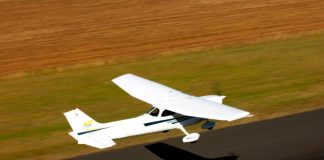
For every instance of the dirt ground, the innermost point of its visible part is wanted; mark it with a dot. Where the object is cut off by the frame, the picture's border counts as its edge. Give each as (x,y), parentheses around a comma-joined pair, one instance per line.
(51,33)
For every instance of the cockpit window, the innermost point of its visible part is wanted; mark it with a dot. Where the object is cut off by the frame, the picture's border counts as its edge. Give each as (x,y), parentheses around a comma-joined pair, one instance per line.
(149,111)
(167,113)
(154,112)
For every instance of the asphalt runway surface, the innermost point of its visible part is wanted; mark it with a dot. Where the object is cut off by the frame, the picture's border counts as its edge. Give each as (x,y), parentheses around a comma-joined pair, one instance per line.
(294,137)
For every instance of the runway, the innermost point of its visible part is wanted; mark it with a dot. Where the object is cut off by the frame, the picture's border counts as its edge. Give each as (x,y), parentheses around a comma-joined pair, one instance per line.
(294,137)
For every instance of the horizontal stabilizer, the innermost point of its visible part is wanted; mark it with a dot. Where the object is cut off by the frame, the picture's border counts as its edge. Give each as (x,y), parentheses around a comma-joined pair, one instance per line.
(96,139)
(214,98)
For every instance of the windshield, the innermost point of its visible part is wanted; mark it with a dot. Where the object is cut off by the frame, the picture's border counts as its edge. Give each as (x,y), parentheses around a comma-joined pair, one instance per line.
(167,113)
(153,112)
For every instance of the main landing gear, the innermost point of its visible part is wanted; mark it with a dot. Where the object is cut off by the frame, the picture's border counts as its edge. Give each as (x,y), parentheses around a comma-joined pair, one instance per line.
(189,138)
(208,125)
(193,137)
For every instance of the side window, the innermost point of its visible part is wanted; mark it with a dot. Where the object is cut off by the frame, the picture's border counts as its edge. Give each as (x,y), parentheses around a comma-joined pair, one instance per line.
(154,112)
(167,113)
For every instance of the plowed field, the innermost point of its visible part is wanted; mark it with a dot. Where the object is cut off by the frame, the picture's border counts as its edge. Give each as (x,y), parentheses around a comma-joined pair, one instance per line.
(39,34)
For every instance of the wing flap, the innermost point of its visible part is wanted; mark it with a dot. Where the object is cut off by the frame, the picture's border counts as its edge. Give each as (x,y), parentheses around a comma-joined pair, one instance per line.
(165,97)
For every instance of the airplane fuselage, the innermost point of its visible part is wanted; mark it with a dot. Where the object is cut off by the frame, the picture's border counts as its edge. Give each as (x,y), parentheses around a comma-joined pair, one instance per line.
(141,125)
(169,107)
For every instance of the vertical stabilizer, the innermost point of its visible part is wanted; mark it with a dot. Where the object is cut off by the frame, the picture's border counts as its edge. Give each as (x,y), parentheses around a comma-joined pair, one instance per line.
(88,131)
(79,121)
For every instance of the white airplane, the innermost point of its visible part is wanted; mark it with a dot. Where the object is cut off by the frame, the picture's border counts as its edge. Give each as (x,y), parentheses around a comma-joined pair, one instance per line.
(171,109)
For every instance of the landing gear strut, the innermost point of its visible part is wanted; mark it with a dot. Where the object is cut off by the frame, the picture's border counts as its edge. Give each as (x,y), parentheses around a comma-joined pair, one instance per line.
(189,138)
(208,125)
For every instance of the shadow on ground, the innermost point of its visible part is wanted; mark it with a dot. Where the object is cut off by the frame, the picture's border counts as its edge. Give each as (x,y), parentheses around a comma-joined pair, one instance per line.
(168,152)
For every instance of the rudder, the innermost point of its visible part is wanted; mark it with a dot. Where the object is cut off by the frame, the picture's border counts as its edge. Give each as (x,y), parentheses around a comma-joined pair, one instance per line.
(78,120)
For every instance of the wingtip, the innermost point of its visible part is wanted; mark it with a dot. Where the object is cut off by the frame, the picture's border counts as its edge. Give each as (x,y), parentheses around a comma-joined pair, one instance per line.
(239,116)
(115,80)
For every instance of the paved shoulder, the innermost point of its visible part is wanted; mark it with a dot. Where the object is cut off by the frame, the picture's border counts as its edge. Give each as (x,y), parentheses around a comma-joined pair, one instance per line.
(299,136)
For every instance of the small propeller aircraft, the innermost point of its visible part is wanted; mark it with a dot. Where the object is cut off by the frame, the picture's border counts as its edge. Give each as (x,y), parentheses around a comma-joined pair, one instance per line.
(171,109)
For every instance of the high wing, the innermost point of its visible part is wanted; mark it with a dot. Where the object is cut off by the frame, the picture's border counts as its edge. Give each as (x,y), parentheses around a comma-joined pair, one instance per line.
(161,96)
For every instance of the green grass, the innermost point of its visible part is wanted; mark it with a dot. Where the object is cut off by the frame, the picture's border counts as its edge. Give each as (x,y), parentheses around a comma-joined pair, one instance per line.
(269,79)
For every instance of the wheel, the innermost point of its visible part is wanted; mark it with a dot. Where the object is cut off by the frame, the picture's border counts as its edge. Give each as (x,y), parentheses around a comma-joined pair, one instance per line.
(190,138)
(208,125)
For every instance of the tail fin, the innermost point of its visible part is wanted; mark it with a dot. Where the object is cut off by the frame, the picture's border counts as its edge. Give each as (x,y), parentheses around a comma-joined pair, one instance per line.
(87,131)
(78,120)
